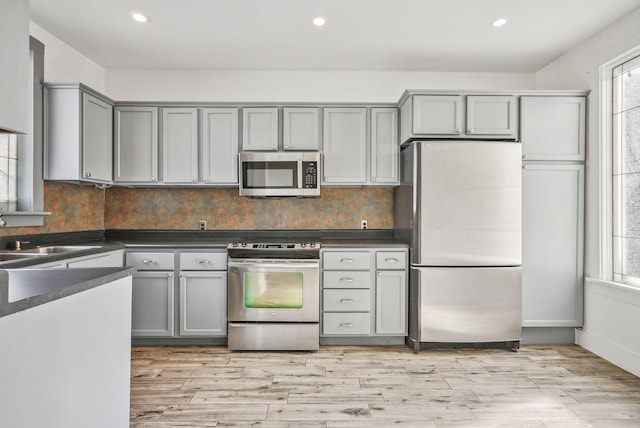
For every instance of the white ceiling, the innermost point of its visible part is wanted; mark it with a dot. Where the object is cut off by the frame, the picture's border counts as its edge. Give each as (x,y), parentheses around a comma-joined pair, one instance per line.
(389,35)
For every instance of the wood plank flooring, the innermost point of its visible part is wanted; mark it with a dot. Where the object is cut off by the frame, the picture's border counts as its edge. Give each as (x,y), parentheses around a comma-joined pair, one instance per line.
(344,387)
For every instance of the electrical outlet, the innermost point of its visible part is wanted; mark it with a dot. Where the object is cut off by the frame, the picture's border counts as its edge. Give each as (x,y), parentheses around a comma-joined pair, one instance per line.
(363,224)
(203,224)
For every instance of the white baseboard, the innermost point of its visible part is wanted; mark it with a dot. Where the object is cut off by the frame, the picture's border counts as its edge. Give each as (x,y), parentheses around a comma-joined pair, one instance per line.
(615,353)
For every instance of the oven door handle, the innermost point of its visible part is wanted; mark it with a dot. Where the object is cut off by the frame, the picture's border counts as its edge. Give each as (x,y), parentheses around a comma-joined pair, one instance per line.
(273,263)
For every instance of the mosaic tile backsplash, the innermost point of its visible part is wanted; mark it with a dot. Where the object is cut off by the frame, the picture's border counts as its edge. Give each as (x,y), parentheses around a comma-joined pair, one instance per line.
(169,208)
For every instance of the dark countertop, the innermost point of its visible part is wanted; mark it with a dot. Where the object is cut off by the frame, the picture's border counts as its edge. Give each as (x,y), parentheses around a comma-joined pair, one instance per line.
(21,289)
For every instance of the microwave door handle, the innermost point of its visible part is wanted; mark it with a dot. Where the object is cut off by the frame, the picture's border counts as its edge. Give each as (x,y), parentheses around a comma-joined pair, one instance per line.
(300,172)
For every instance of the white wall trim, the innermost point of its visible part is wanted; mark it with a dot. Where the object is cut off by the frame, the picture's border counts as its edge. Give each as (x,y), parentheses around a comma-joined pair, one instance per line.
(610,351)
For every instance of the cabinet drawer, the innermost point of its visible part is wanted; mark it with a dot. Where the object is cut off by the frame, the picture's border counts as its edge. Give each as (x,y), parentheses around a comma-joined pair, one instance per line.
(346,279)
(346,260)
(346,323)
(346,300)
(150,261)
(391,260)
(203,261)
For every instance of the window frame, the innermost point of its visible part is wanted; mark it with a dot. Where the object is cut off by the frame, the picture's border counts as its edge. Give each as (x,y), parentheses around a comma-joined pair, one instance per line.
(30,211)
(605,191)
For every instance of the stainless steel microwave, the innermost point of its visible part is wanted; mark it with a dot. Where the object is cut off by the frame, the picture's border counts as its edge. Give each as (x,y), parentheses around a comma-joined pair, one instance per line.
(264,174)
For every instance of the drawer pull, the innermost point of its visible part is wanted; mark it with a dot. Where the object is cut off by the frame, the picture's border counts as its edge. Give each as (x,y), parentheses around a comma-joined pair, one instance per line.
(150,262)
(346,260)
(202,262)
(391,260)
(346,324)
(346,279)
(346,300)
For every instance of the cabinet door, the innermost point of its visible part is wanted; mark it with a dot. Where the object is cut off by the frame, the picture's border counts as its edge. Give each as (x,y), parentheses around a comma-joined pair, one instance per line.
(391,302)
(552,238)
(203,303)
(492,115)
(219,145)
(437,114)
(301,130)
(180,145)
(552,128)
(152,304)
(384,146)
(97,139)
(260,128)
(345,146)
(136,144)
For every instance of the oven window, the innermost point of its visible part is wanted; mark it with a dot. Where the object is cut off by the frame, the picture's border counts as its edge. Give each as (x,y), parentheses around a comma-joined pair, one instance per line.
(270,175)
(273,290)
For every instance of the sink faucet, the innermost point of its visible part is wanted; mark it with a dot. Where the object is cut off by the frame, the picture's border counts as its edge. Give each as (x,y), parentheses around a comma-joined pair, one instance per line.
(16,245)
(3,222)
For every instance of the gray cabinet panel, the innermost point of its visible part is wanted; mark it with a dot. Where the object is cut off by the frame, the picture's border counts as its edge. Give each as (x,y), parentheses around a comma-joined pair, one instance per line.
(384,146)
(437,114)
(136,144)
(553,128)
(152,304)
(301,128)
(344,146)
(180,145)
(97,139)
(219,145)
(203,303)
(492,115)
(552,266)
(260,128)
(391,302)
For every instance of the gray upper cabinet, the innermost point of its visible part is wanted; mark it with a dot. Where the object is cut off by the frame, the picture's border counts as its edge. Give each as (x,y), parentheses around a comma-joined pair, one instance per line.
(260,128)
(345,146)
(492,115)
(179,145)
(437,114)
(78,134)
(552,128)
(458,116)
(136,144)
(384,146)
(14,74)
(219,145)
(301,128)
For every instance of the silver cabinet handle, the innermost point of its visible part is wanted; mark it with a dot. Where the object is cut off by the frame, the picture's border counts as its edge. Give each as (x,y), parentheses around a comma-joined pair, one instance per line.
(202,261)
(373,179)
(153,179)
(346,324)
(169,275)
(391,260)
(346,260)
(346,279)
(87,174)
(346,300)
(524,156)
(149,262)
(524,167)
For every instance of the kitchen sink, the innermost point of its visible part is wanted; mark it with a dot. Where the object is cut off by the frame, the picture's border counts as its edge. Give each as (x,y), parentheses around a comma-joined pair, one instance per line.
(58,249)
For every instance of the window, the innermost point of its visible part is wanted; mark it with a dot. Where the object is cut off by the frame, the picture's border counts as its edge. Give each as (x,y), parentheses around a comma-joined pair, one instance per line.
(626,171)
(21,184)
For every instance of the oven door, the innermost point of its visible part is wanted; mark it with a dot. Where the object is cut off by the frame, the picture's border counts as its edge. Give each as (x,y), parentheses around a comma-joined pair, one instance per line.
(273,290)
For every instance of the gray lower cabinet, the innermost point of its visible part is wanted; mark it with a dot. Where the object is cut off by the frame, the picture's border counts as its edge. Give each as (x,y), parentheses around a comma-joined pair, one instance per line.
(179,293)
(203,294)
(364,292)
(153,304)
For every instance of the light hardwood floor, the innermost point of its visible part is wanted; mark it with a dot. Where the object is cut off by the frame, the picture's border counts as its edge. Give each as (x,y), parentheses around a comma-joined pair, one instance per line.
(341,386)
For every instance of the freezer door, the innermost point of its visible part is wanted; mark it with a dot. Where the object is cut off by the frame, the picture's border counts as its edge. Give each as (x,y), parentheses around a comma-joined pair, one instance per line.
(465,305)
(467,203)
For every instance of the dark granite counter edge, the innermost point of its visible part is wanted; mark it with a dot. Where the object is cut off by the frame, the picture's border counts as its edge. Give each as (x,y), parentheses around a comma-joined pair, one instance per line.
(102,276)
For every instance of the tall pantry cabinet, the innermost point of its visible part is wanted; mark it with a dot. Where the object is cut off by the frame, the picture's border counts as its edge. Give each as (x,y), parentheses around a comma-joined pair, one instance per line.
(553,146)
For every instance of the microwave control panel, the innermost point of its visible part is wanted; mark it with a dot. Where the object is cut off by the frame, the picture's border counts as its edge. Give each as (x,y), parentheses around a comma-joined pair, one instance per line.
(310,175)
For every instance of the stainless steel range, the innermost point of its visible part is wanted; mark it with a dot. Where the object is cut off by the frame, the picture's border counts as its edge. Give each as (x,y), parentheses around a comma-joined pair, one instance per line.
(273,296)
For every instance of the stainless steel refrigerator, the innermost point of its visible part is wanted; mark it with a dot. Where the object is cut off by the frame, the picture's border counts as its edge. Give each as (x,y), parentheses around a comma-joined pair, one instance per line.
(459,206)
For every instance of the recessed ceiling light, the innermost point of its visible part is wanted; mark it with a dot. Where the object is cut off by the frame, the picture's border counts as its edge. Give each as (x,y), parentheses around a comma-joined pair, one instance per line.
(139,17)
(499,22)
(319,21)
